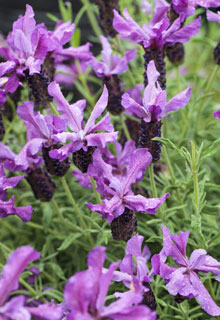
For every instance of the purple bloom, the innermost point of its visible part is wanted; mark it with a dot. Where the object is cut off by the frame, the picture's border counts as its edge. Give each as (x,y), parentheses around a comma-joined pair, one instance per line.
(67,74)
(146,7)
(216,114)
(158,32)
(17,262)
(82,178)
(154,105)
(111,65)
(185,280)
(117,189)
(8,207)
(82,136)
(85,294)
(129,268)
(211,16)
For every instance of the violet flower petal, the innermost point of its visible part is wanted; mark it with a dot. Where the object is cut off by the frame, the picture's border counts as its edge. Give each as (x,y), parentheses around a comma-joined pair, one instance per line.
(17,262)
(142,204)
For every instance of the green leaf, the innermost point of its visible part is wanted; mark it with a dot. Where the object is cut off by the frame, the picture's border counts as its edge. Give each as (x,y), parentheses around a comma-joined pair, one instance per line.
(211,150)
(52,17)
(68,241)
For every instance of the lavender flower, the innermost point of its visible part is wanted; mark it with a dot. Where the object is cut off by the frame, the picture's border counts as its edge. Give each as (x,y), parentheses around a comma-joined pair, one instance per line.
(211,16)
(109,69)
(85,294)
(17,262)
(154,36)
(153,108)
(185,280)
(129,268)
(8,207)
(84,137)
(27,160)
(216,114)
(43,128)
(117,190)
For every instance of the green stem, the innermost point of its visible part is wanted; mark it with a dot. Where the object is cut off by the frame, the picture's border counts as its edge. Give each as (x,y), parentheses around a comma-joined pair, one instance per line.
(153,187)
(83,81)
(92,18)
(53,108)
(127,134)
(212,78)
(76,208)
(211,291)
(97,195)
(195,178)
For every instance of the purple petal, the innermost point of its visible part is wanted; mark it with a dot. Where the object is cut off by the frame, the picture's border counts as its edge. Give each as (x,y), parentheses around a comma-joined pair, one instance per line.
(211,16)
(197,258)
(185,33)
(142,204)
(8,208)
(134,245)
(6,67)
(180,283)
(138,162)
(47,311)
(217,114)
(12,83)
(210,265)
(203,296)
(100,106)
(14,309)
(96,258)
(134,108)
(82,52)
(63,32)
(82,178)
(178,102)
(71,114)
(100,139)
(65,151)
(15,265)
(172,250)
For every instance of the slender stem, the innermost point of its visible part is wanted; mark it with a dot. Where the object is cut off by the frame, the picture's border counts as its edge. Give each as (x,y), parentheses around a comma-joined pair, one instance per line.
(127,134)
(153,186)
(97,195)
(92,18)
(83,81)
(212,78)
(212,293)
(195,178)
(76,208)
(53,108)
(60,214)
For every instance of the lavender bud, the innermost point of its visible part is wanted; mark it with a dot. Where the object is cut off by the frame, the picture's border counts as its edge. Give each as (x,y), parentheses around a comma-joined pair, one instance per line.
(41,183)
(149,299)
(217,53)
(54,166)
(124,226)
(175,53)
(114,90)
(148,131)
(82,159)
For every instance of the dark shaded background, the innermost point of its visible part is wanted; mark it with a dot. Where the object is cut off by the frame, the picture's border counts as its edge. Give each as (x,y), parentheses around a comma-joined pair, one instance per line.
(10,9)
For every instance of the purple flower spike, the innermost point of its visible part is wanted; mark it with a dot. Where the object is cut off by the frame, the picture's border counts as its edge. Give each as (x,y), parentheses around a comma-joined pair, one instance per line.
(185,280)
(86,291)
(17,262)
(117,190)
(82,136)
(154,106)
(186,8)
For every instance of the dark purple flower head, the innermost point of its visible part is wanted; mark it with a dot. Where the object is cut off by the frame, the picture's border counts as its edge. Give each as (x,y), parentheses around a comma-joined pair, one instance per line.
(85,294)
(110,65)
(17,262)
(82,135)
(184,280)
(154,106)
(158,32)
(117,189)
(8,207)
